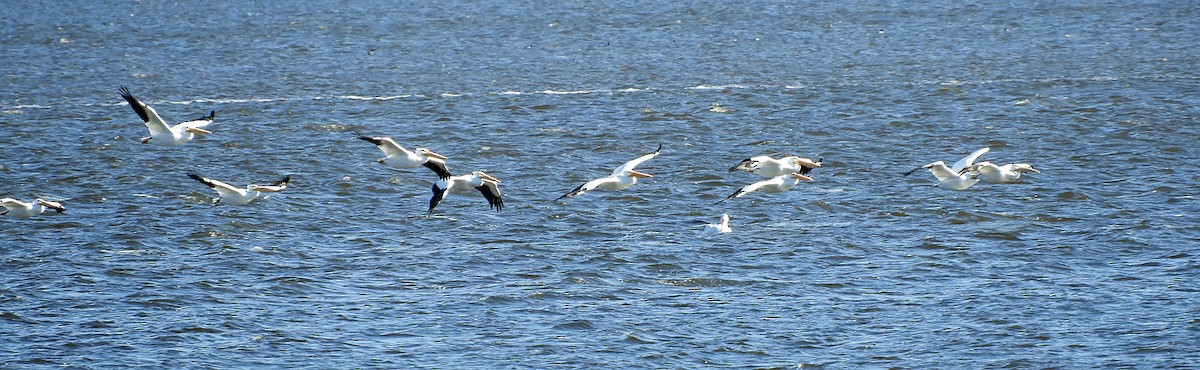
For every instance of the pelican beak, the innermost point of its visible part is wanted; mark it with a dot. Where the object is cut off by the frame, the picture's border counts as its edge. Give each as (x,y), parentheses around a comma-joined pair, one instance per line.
(638,174)
(52,205)
(801,177)
(489,177)
(196,130)
(1031,169)
(435,155)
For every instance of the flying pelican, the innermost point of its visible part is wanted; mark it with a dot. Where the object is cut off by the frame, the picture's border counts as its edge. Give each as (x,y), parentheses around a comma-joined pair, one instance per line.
(621,178)
(160,133)
(19,209)
(777,184)
(957,177)
(993,174)
(721,228)
(463,184)
(770,167)
(398,157)
(235,197)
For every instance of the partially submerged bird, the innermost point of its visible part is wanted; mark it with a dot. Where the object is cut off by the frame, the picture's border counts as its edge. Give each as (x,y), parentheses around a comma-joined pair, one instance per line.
(719,228)
(399,157)
(19,209)
(621,178)
(230,195)
(777,184)
(993,174)
(770,167)
(957,177)
(486,184)
(160,133)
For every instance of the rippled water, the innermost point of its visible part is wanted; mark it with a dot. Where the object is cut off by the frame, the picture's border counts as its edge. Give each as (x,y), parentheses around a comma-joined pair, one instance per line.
(1092,262)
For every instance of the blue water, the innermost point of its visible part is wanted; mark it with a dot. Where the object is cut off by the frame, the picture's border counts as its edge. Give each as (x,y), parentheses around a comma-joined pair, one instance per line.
(1091,263)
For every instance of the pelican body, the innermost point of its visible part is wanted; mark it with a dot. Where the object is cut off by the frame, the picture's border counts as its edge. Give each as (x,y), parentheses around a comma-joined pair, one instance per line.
(486,184)
(770,167)
(401,158)
(621,178)
(233,196)
(777,184)
(19,209)
(719,228)
(993,174)
(160,133)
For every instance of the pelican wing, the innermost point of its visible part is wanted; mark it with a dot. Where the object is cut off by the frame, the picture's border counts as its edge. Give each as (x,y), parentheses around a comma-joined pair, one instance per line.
(439,167)
(276,187)
(634,163)
(149,116)
(589,186)
(221,187)
(491,192)
(968,160)
(11,203)
(386,144)
(942,172)
(752,188)
(197,123)
(438,194)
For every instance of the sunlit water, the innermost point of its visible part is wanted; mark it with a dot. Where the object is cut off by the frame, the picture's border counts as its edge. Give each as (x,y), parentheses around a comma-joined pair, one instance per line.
(1093,262)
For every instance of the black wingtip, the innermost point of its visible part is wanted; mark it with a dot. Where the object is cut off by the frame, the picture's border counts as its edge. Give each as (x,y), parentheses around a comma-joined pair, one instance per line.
(369,139)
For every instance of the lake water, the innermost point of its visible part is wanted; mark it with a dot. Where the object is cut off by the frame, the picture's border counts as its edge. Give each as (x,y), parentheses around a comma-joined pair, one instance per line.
(1093,262)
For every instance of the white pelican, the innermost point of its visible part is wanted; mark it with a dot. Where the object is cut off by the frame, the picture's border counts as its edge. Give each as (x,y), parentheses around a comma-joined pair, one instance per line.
(19,209)
(398,157)
(721,228)
(160,133)
(770,167)
(777,184)
(463,184)
(957,177)
(622,178)
(993,174)
(235,197)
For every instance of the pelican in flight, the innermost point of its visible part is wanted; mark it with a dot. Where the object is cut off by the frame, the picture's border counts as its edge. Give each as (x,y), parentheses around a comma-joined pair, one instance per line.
(621,178)
(230,195)
(19,209)
(399,157)
(160,133)
(957,177)
(721,228)
(770,167)
(992,174)
(486,184)
(777,184)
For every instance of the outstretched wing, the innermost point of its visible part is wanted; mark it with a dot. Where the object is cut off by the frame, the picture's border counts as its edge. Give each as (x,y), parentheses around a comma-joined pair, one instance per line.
(968,160)
(148,115)
(942,172)
(634,163)
(386,144)
(588,186)
(491,192)
(748,189)
(439,167)
(277,186)
(199,122)
(221,187)
(438,194)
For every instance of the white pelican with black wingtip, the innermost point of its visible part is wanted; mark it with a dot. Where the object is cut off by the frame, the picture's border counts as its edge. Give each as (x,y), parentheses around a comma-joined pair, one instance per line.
(777,184)
(990,173)
(770,167)
(19,209)
(621,178)
(160,133)
(957,177)
(480,181)
(401,158)
(233,196)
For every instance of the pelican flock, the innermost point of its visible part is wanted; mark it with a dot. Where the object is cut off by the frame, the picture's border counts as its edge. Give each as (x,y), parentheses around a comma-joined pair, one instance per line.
(486,184)
(781,175)
(160,133)
(19,209)
(233,196)
(621,178)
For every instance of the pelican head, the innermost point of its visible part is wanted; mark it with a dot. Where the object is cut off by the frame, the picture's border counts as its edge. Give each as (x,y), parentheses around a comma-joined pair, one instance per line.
(1024,167)
(636,174)
(430,154)
(51,205)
